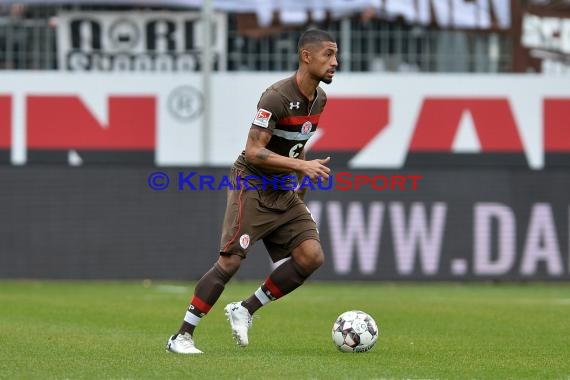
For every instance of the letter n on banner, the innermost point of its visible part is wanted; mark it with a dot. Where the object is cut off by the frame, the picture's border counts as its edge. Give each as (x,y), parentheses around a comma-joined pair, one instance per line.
(64,123)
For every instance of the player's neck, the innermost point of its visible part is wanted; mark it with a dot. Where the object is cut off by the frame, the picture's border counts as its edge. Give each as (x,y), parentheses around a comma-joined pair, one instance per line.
(306,84)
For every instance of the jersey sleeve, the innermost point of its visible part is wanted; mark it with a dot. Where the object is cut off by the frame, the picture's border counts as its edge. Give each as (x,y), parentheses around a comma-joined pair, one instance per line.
(269,110)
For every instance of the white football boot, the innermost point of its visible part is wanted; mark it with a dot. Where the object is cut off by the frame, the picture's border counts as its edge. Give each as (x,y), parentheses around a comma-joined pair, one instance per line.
(240,321)
(182,344)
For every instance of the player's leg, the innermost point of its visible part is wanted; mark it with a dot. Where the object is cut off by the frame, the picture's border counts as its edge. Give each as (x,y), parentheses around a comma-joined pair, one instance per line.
(298,238)
(305,259)
(206,293)
(234,246)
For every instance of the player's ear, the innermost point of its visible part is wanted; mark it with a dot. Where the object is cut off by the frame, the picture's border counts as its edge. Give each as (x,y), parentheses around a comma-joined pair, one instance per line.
(306,56)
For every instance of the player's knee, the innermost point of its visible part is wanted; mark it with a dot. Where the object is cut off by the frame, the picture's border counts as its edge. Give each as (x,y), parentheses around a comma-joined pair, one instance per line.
(229,263)
(317,258)
(309,256)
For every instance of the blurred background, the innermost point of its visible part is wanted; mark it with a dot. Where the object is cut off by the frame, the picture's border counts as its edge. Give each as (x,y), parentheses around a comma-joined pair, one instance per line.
(472,97)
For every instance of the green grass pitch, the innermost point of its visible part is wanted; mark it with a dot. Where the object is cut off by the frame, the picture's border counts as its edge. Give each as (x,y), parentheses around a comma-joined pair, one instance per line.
(118,330)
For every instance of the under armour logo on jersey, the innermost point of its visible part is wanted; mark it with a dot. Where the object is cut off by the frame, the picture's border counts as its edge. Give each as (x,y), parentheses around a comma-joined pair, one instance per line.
(294,105)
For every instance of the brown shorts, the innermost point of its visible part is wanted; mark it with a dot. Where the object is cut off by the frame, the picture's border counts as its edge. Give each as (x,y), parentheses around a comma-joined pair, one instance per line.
(277,217)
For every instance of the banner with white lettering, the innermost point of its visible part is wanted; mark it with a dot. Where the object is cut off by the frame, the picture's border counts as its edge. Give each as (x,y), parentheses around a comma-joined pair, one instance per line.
(544,44)
(471,14)
(455,225)
(137,41)
(459,14)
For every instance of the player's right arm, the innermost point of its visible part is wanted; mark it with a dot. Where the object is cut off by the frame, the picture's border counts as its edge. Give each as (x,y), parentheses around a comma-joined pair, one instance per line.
(256,153)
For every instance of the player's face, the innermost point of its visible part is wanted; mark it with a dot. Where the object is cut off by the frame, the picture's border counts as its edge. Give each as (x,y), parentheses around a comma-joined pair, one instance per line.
(324,63)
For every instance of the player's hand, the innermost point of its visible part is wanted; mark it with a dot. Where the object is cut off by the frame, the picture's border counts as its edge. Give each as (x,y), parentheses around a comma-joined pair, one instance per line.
(315,169)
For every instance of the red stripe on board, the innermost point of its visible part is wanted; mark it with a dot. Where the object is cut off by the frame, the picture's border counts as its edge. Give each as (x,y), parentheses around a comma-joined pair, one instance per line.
(439,120)
(556,126)
(5,122)
(349,123)
(65,122)
(200,305)
(275,291)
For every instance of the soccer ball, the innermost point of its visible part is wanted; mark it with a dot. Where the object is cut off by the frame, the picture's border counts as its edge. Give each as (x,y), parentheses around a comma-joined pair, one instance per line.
(354,331)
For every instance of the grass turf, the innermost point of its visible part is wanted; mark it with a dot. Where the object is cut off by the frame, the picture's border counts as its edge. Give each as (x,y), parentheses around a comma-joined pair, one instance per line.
(118,330)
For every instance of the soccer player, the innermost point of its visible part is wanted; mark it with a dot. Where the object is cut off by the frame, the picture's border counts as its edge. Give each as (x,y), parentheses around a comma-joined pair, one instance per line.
(287,116)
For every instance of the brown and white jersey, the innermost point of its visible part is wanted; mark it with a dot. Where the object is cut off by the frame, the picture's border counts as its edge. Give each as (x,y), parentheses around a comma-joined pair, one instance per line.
(288,114)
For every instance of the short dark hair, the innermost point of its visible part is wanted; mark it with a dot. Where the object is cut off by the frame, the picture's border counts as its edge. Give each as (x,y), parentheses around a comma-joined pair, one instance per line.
(314,36)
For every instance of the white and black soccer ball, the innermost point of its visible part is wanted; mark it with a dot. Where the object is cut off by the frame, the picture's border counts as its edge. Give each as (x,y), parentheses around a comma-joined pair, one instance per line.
(354,331)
